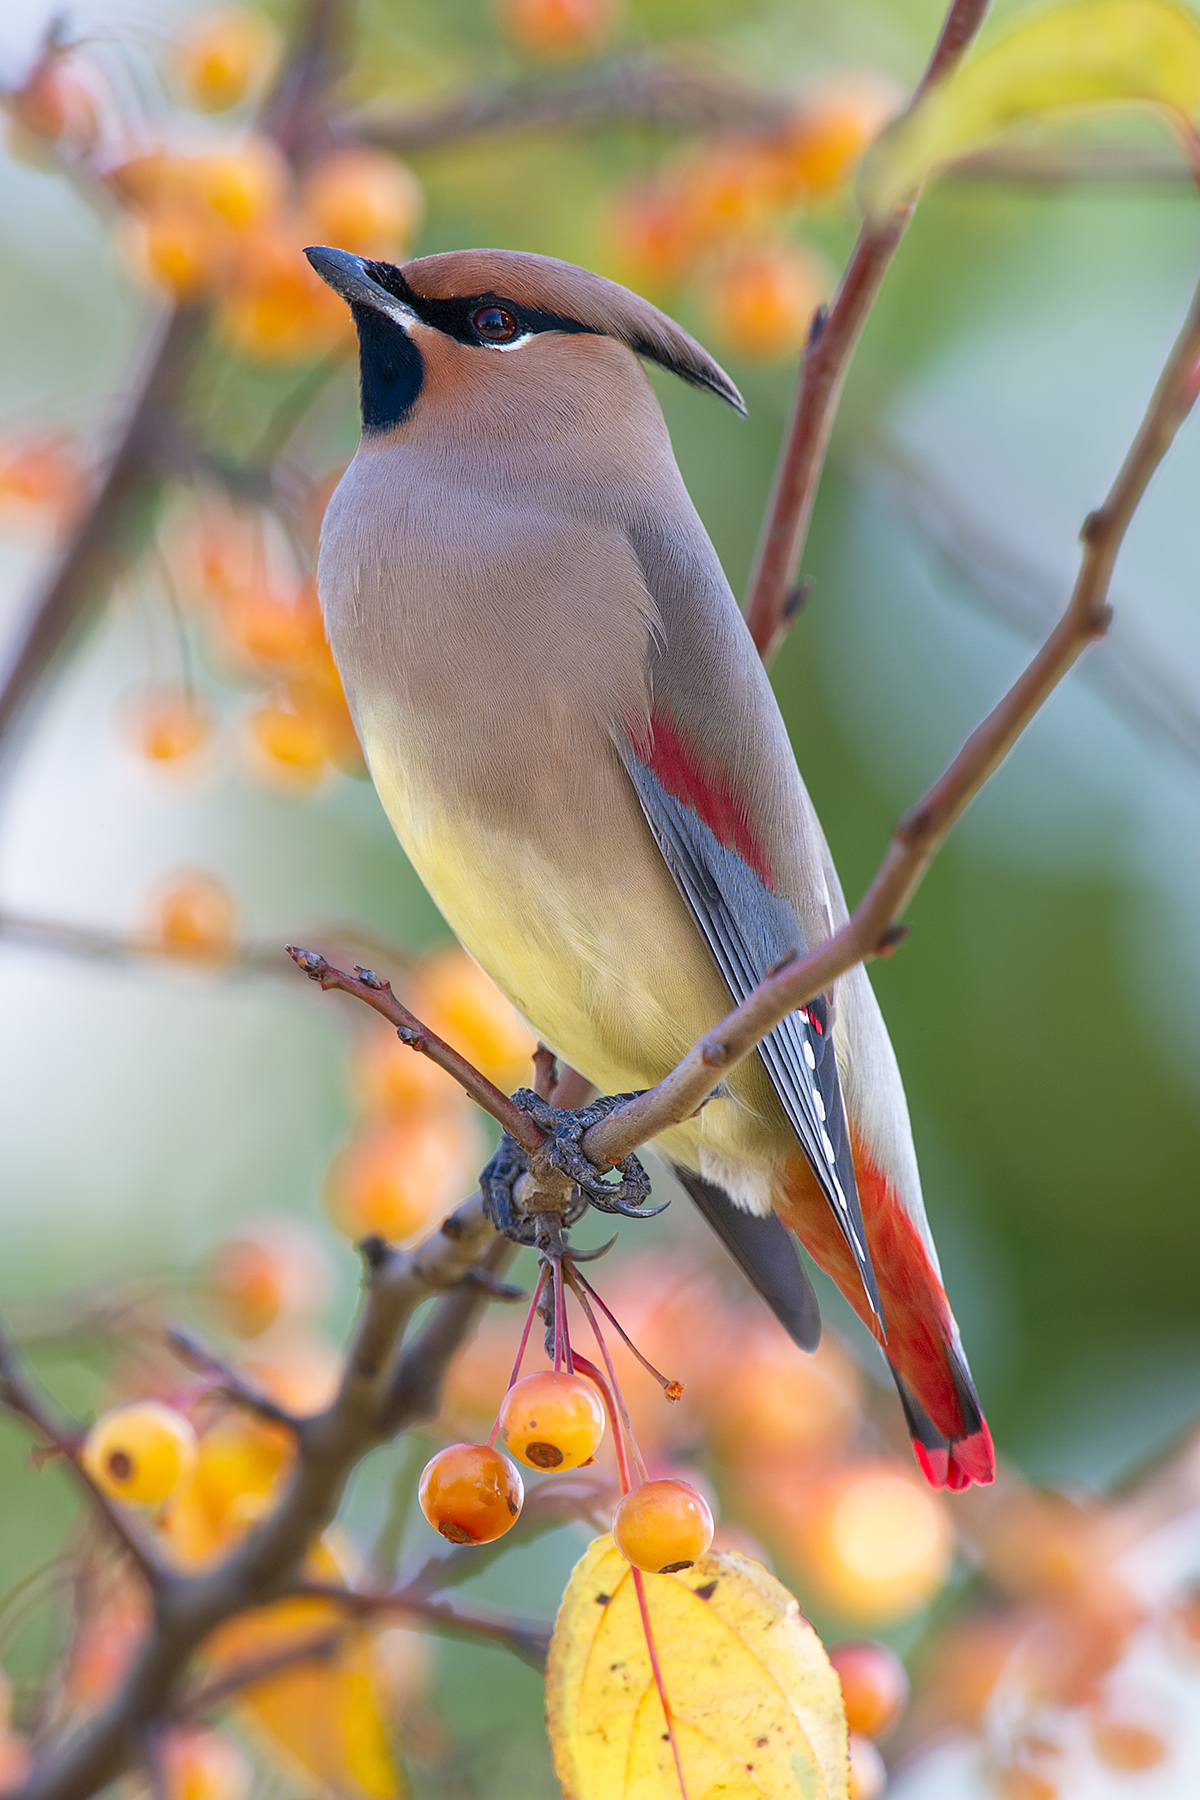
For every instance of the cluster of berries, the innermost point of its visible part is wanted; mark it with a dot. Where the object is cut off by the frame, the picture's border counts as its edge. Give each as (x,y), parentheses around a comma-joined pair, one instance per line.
(473,1494)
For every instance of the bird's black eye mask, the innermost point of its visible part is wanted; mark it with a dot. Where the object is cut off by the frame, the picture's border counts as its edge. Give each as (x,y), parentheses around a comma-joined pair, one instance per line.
(466,317)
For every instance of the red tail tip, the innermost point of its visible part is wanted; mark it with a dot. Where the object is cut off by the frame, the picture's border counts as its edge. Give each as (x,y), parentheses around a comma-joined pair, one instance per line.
(956,1467)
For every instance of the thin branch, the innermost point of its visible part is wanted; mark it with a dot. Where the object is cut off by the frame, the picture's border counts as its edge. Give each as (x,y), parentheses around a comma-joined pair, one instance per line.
(365,985)
(321,1647)
(527,1638)
(20,1394)
(226,1380)
(667,96)
(872,929)
(769,608)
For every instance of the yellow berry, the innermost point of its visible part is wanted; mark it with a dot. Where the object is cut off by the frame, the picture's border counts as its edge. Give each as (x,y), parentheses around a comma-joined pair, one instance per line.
(763,300)
(470,1493)
(662,1526)
(557,28)
(552,1420)
(365,201)
(143,1451)
(224,56)
(194,916)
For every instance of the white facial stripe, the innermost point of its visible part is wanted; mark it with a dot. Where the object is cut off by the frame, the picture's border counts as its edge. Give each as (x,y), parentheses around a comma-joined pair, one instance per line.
(513,343)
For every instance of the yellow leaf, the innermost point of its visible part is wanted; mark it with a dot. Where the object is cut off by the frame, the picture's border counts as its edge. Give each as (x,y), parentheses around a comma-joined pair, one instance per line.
(1088,54)
(757,1709)
(325,1719)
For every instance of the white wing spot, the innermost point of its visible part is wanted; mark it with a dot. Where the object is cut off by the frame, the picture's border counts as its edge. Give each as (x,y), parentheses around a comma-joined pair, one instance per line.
(818,1103)
(809,1057)
(828,1147)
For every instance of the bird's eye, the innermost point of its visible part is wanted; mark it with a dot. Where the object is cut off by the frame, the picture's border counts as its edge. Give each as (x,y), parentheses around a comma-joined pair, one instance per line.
(494,323)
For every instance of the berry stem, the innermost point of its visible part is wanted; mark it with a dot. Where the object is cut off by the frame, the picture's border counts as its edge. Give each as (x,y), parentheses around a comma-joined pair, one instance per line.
(593,1374)
(639,1584)
(672,1389)
(494,1433)
(592,1320)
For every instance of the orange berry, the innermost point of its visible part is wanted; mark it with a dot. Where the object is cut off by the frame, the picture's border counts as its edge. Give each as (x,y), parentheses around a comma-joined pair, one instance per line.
(557,28)
(194,916)
(837,120)
(276,1271)
(176,247)
(203,1765)
(649,238)
(225,56)
(470,1493)
(724,190)
(56,105)
(365,201)
(762,301)
(395,1080)
(242,185)
(462,1004)
(165,724)
(876,1542)
(142,1451)
(1128,1744)
(868,1771)
(301,1371)
(40,474)
(552,1420)
(662,1526)
(290,749)
(395,1180)
(874,1686)
(1020,1783)
(276,310)
(771,1404)
(266,630)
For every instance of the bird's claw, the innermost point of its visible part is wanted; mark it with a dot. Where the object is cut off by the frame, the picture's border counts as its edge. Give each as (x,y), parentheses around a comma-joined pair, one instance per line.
(561,1154)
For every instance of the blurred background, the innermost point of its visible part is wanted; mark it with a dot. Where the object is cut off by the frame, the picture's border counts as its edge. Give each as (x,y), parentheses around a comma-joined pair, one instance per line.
(185,796)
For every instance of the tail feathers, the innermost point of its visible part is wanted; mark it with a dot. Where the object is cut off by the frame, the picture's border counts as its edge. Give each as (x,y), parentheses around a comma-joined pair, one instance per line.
(765,1251)
(949,1462)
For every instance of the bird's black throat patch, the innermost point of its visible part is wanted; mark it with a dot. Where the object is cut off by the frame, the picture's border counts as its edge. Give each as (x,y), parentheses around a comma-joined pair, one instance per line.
(391,370)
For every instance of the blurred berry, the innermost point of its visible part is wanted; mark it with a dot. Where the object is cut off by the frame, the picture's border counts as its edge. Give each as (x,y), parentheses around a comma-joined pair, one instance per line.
(868,1771)
(762,300)
(557,28)
(192,915)
(199,1764)
(456,999)
(397,1180)
(225,56)
(874,1686)
(141,1452)
(364,200)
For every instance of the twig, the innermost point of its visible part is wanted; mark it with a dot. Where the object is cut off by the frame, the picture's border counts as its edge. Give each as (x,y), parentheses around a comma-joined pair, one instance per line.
(21,1396)
(872,929)
(823,373)
(365,985)
(669,96)
(527,1638)
(226,1380)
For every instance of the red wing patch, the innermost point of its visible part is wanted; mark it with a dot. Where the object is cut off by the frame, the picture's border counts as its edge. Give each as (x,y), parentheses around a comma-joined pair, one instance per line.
(706,791)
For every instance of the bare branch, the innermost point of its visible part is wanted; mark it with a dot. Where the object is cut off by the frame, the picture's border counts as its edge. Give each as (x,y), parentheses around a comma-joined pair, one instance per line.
(20,1394)
(225,1380)
(826,360)
(527,1638)
(664,95)
(872,929)
(366,985)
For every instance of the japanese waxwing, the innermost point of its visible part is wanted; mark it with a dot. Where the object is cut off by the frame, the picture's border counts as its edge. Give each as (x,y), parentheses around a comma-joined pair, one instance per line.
(578,748)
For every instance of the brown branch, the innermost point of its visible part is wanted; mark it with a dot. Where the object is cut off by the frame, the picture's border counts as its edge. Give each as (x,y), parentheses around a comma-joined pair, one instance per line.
(872,929)
(365,985)
(117,518)
(667,96)
(527,1638)
(226,1381)
(20,1394)
(769,608)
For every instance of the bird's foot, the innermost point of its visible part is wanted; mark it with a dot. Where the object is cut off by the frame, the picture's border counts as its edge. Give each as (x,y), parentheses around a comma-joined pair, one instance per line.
(521,1188)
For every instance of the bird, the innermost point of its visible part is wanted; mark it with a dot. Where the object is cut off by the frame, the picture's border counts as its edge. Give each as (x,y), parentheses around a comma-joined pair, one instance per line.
(578,747)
